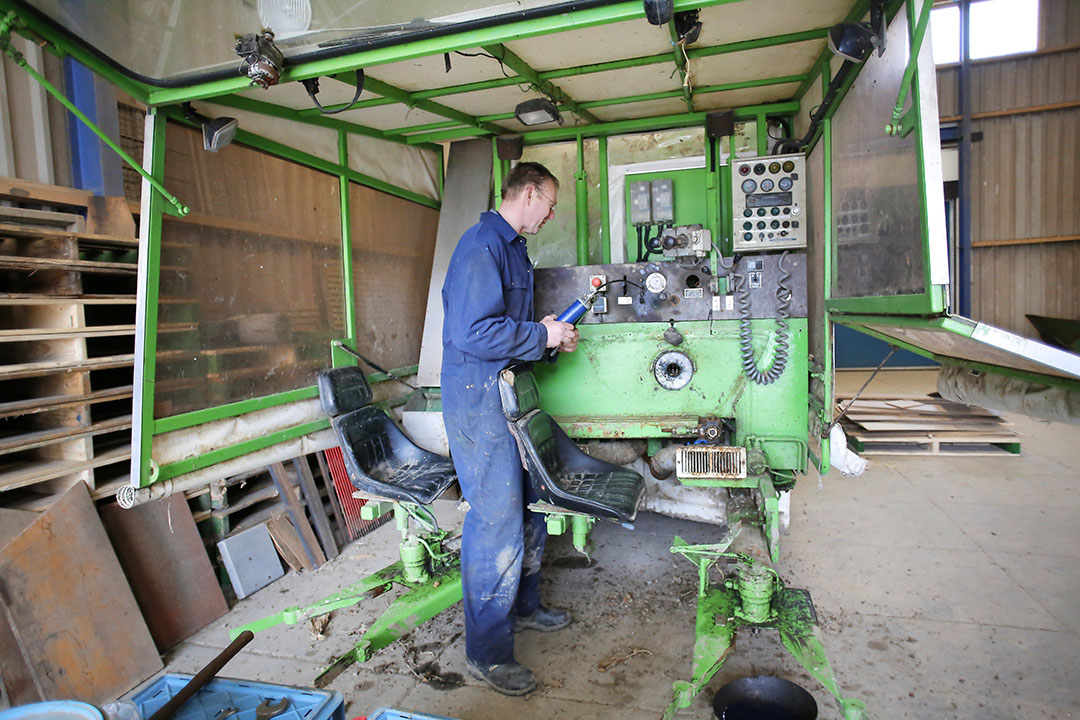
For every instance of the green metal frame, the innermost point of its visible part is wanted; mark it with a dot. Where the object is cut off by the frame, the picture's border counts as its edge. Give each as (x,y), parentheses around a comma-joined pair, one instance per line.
(149,284)
(752,596)
(430,574)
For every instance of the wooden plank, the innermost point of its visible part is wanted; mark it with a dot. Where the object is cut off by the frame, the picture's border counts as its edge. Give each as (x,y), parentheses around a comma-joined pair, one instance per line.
(55,402)
(25,370)
(12,299)
(39,233)
(1025,241)
(162,555)
(74,614)
(1048,107)
(876,426)
(296,514)
(315,506)
(23,190)
(41,438)
(287,542)
(15,262)
(47,218)
(252,498)
(29,334)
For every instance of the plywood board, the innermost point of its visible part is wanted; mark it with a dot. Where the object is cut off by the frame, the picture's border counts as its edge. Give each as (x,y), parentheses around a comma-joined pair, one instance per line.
(78,630)
(163,556)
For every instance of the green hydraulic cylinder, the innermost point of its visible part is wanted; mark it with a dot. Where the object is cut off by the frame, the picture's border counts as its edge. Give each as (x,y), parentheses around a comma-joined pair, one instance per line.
(582,187)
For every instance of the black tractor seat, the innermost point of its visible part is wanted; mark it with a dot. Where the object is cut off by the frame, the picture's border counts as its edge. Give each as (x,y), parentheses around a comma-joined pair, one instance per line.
(562,474)
(380,458)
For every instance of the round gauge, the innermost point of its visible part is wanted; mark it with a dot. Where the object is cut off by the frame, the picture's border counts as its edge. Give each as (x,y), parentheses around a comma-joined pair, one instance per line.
(749,186)
(759,169)
(744,169)
(788,166)
(785,183)
(656,282)
(766,185)
(774,167)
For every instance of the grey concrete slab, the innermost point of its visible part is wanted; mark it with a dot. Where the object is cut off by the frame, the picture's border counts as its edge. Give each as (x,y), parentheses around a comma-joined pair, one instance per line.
(948,585)
(894,524)
(1044,529)
(1050,580)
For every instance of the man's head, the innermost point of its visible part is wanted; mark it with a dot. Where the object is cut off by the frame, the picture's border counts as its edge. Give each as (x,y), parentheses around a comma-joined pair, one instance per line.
(529,194)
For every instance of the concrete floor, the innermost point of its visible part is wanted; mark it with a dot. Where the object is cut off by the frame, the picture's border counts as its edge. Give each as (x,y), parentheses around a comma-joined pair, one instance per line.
(945,588)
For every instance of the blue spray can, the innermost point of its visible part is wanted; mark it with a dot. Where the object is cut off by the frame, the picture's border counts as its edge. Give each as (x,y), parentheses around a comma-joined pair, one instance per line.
(572,314)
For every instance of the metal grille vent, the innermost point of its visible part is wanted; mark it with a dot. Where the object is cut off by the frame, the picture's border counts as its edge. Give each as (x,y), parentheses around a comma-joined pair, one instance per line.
(709,461)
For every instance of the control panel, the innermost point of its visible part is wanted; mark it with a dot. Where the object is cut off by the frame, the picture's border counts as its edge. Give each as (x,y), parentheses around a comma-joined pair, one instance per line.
(678,290)
(769,203)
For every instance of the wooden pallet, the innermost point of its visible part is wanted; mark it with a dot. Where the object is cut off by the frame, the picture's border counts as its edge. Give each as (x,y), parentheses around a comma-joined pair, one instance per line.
(925,426)
(68,314)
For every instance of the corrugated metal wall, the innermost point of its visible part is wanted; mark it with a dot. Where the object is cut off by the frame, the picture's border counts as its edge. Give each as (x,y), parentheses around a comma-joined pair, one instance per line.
(33,126)
(1026,204)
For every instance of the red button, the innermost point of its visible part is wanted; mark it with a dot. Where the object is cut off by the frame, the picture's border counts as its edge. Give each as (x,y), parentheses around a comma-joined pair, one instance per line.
(597,282)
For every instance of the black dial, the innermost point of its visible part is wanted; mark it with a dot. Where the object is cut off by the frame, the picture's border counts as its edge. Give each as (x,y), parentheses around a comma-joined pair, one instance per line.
(785,183)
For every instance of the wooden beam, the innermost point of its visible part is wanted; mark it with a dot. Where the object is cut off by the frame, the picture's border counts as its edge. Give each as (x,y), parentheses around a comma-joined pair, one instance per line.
(41,438)
(55,402)
(1066,105)
(30,334)
(48,367)
(23,190)
(1025,241)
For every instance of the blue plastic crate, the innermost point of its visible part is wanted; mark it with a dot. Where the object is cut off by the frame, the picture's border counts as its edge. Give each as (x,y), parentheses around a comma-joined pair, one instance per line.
(244,695)
(392,714)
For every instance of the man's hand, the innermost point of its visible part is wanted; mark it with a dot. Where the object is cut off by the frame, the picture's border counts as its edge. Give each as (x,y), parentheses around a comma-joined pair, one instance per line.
(560,334)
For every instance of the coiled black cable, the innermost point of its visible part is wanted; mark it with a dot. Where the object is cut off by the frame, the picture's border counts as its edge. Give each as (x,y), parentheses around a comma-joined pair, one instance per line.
(780,357)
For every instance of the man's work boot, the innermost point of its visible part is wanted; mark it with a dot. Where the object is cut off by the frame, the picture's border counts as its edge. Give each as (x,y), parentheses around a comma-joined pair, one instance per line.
(510,678)
(543,620)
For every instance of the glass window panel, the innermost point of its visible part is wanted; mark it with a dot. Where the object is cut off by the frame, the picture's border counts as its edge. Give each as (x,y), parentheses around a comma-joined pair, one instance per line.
(393,244)
(876,215)
(175,40)
(251,281)
(998,27)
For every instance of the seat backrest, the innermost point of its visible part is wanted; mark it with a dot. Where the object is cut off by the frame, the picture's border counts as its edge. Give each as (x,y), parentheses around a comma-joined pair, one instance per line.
(343,390)
(519,392)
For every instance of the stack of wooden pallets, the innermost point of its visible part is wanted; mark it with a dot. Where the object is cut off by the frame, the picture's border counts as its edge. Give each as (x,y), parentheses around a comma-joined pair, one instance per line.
(924,425)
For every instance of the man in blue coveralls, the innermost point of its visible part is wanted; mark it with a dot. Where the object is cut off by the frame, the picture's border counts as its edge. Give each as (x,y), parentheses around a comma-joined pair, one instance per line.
(488,305)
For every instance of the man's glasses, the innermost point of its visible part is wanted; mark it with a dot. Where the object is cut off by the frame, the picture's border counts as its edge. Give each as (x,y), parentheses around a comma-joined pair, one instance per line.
(551,202)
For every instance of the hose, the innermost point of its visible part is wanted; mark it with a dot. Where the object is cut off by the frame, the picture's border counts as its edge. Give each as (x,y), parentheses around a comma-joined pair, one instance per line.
(742,299)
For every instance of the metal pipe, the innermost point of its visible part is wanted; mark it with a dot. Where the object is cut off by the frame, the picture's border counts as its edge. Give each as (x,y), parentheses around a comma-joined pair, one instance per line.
(913,61)
(346,239)
(605,220)
(582,205)
(203,676)
(963,256)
